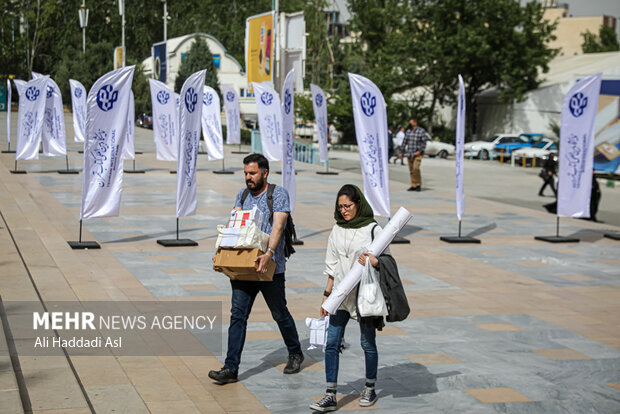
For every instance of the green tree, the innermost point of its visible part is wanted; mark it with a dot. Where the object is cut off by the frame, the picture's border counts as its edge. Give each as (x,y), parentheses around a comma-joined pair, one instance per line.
(606,41)
(199,57)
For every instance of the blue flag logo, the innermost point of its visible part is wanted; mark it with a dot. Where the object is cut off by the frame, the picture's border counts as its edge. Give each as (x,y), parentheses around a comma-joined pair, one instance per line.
(577,104)
(287,101)
(318,100)
(207,98)
(191,99)
(77,92)
(266,98)
(162,97)
(106,97)
(368,103)
(230,96)
(32,93)
(50,91)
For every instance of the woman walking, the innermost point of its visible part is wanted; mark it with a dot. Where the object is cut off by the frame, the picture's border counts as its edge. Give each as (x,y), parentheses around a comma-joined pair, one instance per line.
(353,232)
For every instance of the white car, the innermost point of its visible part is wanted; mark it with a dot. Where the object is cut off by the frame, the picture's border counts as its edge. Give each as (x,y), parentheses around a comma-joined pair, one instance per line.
(482,149)
(438,148)
(541,151)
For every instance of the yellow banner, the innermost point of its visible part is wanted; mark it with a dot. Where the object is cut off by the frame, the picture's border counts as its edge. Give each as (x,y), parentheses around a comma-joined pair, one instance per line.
(259,50)
(118,57)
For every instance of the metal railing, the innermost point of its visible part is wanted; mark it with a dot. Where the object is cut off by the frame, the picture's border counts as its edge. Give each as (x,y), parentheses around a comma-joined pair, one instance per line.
(301,152)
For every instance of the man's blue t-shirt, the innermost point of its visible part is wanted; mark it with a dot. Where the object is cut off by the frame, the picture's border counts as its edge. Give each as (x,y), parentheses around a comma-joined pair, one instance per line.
(280,204)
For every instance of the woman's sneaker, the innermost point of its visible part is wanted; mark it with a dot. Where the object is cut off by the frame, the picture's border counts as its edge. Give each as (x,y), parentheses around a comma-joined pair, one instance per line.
(369,397)
(327,403)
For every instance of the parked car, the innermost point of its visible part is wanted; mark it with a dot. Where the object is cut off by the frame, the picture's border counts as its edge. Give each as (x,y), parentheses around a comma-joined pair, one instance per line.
(304,130)
(524,140)
(438,148)
(541,151)
(482,149)
(145,121)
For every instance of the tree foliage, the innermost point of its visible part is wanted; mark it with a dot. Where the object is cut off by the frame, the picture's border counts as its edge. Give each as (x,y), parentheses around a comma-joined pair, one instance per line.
(606,41)
(199,57)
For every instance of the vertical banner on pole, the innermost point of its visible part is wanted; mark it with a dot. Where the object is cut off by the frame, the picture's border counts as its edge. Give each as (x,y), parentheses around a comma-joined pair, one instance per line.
(577,146)
(269,120)
(288,128)
(460,143)
(106,128)
(319,105)
(212,124)
(30,118)
(190,116)
(371,132)
(165,120)
(54,138)
(233,117)
(78,104)
(8,111)
(160,56)
(129,152)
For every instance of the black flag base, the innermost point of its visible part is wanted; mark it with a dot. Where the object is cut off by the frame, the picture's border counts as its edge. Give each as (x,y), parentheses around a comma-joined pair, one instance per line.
(296,241)
(557,239)
(239,152)
(327,173)
(8,151)
(173,172)
(133,170)
(19,172)
(459,239)
(84,245)
(177,242)
(399,240)
(68,172)
(223,172)
(613,236)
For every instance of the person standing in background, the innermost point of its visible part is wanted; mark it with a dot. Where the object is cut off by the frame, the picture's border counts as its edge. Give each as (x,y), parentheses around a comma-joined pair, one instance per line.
(414,146)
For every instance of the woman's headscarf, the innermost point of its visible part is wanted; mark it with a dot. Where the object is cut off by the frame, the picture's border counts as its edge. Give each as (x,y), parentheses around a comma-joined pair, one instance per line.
(364,215)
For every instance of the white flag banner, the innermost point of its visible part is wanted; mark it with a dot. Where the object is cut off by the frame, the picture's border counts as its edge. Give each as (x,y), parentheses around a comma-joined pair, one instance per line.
(20,85)
(577,147)
(460,143)
(190,116)
(288,129)
(78,104)
(107,105)
(371,132)
(269,120)
(319,104)
(233,115)
(8,110)
(129,152)
(212,124)
(165,120)
(30,118)
(54,136)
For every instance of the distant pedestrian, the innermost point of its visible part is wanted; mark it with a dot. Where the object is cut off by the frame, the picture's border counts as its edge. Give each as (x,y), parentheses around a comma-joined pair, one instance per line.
(390,144)
(414,146)
(548,175)
(595,198)
(400,137)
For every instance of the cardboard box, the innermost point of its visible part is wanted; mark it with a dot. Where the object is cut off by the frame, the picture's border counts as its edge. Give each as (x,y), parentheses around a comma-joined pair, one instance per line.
(239,264)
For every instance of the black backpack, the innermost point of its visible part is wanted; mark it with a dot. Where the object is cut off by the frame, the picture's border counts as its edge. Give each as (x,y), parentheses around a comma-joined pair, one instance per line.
(288,233)
(392,288)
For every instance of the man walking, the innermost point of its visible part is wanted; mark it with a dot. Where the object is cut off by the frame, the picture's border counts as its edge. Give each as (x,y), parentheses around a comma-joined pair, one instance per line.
(413,148)
(256,169)
(400,137)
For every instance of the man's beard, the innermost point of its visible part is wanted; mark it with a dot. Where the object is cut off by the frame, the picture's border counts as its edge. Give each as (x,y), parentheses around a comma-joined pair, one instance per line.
(259,185)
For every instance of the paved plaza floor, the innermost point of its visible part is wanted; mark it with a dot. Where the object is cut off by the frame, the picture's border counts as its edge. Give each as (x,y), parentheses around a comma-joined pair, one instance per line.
(512,325)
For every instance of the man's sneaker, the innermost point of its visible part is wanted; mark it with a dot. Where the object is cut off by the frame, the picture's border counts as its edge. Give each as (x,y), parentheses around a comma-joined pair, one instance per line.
(224,376)
(369,397)
(293,365)
(327,403)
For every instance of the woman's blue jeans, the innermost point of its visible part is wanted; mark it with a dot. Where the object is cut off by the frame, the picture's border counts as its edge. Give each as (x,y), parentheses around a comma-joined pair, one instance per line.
(335,332)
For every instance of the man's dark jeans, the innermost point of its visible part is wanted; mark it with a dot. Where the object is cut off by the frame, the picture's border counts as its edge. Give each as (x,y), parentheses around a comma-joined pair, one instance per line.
(244,293)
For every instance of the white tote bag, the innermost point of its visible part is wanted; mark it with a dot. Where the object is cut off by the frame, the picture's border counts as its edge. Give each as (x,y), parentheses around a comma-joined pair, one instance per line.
(370,300)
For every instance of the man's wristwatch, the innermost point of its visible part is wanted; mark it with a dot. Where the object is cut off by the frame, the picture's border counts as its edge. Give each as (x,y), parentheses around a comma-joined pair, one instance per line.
(273,252)
(326,293)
